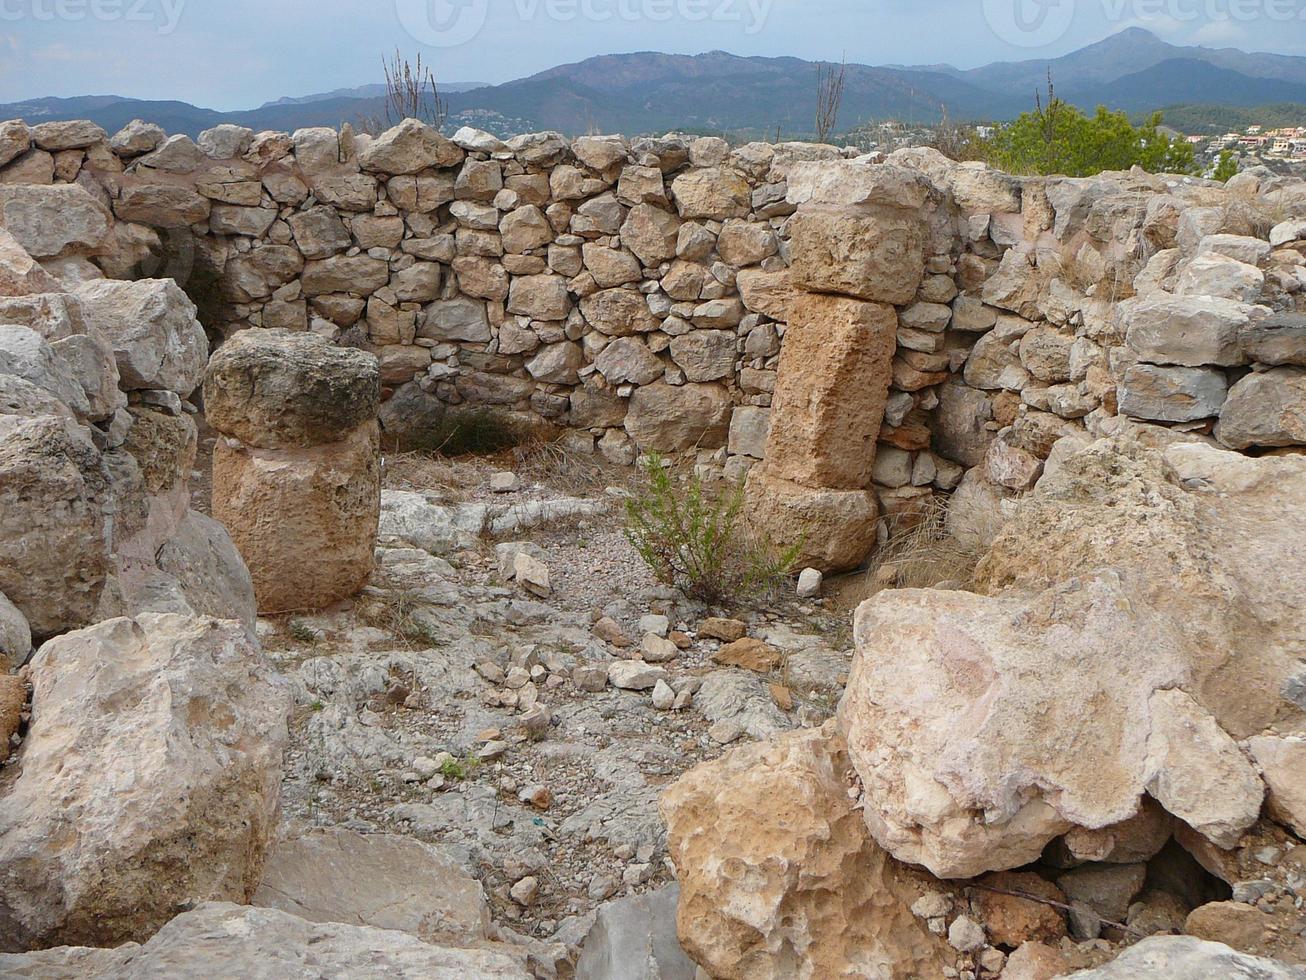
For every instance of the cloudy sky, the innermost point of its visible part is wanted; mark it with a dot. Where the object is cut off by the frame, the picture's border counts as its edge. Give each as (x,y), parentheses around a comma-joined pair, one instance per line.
(232,54)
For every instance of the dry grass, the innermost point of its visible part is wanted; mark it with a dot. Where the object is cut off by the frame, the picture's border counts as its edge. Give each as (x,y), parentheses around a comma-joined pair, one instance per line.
(416,471)
(924,554)
(395,612)
(575,474)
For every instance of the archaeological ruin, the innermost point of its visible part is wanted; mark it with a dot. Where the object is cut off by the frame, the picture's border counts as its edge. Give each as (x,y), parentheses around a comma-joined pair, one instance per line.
(288,690)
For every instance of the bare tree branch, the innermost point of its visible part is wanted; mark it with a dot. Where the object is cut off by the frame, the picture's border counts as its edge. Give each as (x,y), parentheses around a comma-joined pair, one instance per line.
(829,97)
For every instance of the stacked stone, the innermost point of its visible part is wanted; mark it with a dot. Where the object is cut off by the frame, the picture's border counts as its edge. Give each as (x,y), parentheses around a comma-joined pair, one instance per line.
(296,476)
(638,292)
(859,242)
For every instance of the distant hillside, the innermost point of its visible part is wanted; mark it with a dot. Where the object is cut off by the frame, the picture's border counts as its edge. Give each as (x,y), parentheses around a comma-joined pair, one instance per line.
(720,92)
(1177,80)
(717,92)
(1215,120)
(362,92)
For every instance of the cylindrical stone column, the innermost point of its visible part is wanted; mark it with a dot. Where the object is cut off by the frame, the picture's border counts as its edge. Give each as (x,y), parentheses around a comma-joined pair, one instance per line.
(296,470)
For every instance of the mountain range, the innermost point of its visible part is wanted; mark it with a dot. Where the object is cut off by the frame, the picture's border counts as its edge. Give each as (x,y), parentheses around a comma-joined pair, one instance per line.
(649,92)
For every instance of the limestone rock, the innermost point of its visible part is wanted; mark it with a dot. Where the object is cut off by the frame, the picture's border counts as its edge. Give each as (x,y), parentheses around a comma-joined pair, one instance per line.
(714,193)
(1189,331)
(834,529)
(15,637)
(209,571)
(137,137)
(878,257)
(651,234)
(618,312)
(1283,765)
(919,796)
(830,397)
(219,939)
(1197,772)
(1168,957)
(151,325)
(25,354)
(627,359)
(778,877)
(1265,409)
(53,495)
(409,147)
(276,389)
(705,355)
(1171,394)
(149,780)
(669,418)
(55,220)
(1194,528)
(635,935)
(305,520)
(20,275)
(378,880)
(1276,340)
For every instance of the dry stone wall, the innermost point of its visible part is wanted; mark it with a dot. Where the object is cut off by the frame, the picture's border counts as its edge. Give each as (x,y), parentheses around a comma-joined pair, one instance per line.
(640,292)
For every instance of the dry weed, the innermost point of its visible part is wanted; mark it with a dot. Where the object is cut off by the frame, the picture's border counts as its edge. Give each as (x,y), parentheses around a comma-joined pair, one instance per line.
(396,612)
(924,554)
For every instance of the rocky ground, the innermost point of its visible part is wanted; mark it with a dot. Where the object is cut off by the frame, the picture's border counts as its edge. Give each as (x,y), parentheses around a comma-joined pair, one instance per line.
(517,724)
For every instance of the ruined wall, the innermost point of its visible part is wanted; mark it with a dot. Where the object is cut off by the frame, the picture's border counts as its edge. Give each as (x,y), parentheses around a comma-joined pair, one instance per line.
(638,292)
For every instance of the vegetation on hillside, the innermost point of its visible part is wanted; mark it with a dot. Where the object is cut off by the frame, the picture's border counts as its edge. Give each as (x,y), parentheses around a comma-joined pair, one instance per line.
(1212,120)
(1058,138)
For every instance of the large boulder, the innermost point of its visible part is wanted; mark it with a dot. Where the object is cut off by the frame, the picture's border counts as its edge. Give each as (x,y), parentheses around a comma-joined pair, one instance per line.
(1186,330)
(149,780)
(24,353)
(223,940)
(1120,549)
(54,492)
(304,519)
(53,220)
(778,877)
(276,389)
(151,325)
(670,418)
(210,575)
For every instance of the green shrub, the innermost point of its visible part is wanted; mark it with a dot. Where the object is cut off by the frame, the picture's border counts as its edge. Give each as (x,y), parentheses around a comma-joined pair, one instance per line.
(1057,138)
(699,543)
(1225,167)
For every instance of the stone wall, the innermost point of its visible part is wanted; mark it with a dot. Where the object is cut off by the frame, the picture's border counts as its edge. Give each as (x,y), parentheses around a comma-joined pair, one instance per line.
(639,292)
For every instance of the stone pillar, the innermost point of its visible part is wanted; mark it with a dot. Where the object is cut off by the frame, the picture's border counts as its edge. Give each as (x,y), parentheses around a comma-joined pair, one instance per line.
(296,471)
(858,248)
